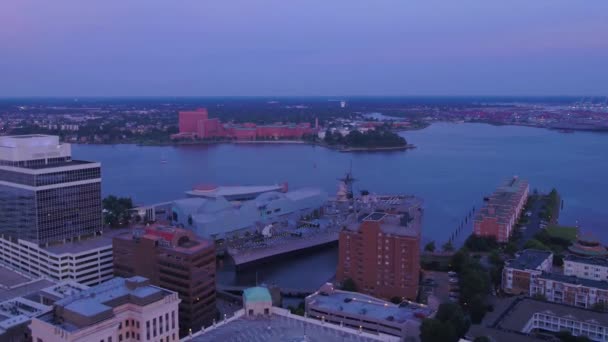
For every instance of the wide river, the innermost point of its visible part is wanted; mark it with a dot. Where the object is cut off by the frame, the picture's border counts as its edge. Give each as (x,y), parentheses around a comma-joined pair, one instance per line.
(452,168)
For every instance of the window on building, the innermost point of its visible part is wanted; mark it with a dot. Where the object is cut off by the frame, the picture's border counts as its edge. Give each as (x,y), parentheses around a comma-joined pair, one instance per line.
(127,323)
(128,335)
(120,337)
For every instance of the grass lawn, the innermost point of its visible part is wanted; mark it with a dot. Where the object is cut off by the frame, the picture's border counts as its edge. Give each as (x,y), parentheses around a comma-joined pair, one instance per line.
(563,232)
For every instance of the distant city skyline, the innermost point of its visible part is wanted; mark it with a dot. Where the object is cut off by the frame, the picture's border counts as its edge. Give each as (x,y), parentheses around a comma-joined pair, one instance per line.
(303,48)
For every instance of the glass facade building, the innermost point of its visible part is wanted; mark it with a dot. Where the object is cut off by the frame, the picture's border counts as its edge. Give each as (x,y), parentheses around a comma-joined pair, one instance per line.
(47,200)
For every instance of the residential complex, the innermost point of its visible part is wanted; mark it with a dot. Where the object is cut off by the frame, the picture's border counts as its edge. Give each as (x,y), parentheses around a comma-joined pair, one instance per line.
(259,321)
(581,284)
(571,290)
(174,259)
(356,310)
(586,267)
(117,310)
(533,320)
(381,254)
(502,210)
(197,124)
(519,274)
(45,196)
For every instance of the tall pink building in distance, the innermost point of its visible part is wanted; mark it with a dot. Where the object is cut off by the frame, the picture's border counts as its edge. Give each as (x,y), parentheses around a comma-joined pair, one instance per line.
(189,121)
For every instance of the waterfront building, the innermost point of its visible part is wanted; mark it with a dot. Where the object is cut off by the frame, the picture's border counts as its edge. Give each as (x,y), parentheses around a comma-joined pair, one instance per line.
(381,253)
(46,197)
(117,310)
(197,124)
(586,267)
(235,193)
(174,259)
(189,121)
(502,210)
(570,290)
(259,321)
(518,274)
(217,218)
(357,310)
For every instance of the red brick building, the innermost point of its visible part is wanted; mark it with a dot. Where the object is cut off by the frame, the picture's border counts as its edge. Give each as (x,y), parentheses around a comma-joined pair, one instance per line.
(502,210)
(189,120)
(174,259)
(197,124)
(382,254)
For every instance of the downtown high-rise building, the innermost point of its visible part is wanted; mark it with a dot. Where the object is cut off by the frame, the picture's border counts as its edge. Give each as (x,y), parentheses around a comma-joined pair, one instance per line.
(45,196)
(51,212)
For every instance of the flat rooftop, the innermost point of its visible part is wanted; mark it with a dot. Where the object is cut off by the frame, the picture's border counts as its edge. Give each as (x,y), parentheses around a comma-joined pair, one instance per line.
(396,224)
(518,317)
(10,278)
(587,260)
(104,240)
(358,304)
(529,259)
(229,191)
(72,162)
(24,288)
(575,280)
(278,328)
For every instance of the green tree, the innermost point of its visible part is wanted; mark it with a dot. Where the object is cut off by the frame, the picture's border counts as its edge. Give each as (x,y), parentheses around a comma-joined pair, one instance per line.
(482,339)
(448,247)
(430,247)
(600,306)
(349,285)
(117,210)
(433,330)
(535,244)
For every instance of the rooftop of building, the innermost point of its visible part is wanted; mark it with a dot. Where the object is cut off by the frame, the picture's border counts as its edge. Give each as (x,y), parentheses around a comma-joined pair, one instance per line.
(572,280)
(529,259)
(210,190)
(97,303)
(59,164)
(587,260)
(524,310)
(280,326)
(501,203)
(17,284)
(257,294)
(354,303)
(395,224)
(86,244)
(174,238)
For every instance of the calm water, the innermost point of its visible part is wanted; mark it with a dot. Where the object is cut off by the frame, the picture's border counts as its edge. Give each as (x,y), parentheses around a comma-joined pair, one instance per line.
(452,169)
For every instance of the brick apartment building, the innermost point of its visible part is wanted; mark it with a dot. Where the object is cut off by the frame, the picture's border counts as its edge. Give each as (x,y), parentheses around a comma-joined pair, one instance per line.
(174,259)
(382,254)
(502,210)
(518,274)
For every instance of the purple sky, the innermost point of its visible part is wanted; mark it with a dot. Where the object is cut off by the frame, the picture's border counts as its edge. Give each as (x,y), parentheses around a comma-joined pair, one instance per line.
(303,47)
